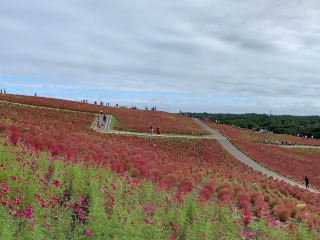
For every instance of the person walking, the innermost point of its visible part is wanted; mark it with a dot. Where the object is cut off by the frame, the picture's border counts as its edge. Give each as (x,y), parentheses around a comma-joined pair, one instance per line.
(158,130)
(98,122)
(307,181)
(104,119)
(151,130)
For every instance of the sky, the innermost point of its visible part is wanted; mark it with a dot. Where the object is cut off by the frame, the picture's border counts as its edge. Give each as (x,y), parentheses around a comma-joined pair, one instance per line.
(215,56)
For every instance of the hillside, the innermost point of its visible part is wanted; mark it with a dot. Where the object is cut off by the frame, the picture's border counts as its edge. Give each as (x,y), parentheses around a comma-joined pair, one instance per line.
(126,119)
(75,166)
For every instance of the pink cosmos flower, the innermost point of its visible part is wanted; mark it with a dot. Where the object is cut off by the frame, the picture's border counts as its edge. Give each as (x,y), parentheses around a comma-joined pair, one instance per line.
(153,208)
(88,233)
(83,218)
(56,183)
(5,187)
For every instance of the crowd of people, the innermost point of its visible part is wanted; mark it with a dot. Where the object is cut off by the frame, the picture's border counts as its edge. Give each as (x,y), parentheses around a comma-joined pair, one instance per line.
(118,105)
(265,141)
(4,91)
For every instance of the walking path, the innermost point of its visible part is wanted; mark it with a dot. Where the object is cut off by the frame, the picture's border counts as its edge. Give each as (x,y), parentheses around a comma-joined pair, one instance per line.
(104,128)
(298,146)
(225,144)
(247,160)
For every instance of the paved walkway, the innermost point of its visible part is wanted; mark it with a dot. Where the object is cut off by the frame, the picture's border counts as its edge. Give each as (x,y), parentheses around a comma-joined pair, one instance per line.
(105,128)
(247,160)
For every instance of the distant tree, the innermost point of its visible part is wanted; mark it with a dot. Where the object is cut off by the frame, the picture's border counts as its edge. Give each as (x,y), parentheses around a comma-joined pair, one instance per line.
(284,124)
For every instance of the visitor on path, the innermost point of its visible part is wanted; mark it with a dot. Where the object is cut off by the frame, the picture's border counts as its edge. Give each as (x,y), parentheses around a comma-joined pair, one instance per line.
(151,130)
(101,112)
(104,118)
(265,141)
(1,90)
(277,142)
(4,91)
(307,181)
(98,122)
(158,130)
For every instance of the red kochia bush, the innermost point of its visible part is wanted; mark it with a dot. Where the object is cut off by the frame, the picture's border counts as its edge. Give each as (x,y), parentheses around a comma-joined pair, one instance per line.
(246,216)
(207,191)
(256,196)
(244,204)
(226,193)
(196,177)
(165,183)
(275,201)
(184,187)
(14,137)
(3,127)
(260,208)
(243,196)
(282,212)
(237,187)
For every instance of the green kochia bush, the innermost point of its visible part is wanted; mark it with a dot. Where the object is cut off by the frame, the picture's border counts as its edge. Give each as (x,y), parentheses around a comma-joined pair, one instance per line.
(45,197)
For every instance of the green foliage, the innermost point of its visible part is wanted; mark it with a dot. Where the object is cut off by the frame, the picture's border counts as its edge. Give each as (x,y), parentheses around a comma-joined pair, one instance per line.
(281,124)
(112,123)
(89,198)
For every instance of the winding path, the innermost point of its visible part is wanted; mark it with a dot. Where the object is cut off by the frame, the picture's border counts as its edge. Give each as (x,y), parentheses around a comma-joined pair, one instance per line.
(247,160)
(104,128)
(234,151)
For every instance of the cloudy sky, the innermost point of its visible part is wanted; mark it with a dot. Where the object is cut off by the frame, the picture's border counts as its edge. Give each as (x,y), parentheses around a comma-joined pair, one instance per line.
(209,55)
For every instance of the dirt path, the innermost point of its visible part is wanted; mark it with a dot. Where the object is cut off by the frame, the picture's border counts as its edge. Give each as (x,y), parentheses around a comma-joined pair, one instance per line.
(247,160)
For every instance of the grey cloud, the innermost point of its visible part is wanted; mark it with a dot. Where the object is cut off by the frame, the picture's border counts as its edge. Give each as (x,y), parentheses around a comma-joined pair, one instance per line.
(209,47)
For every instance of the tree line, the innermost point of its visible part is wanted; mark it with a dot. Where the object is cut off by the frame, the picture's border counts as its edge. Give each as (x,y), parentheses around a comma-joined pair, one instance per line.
(281,124)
